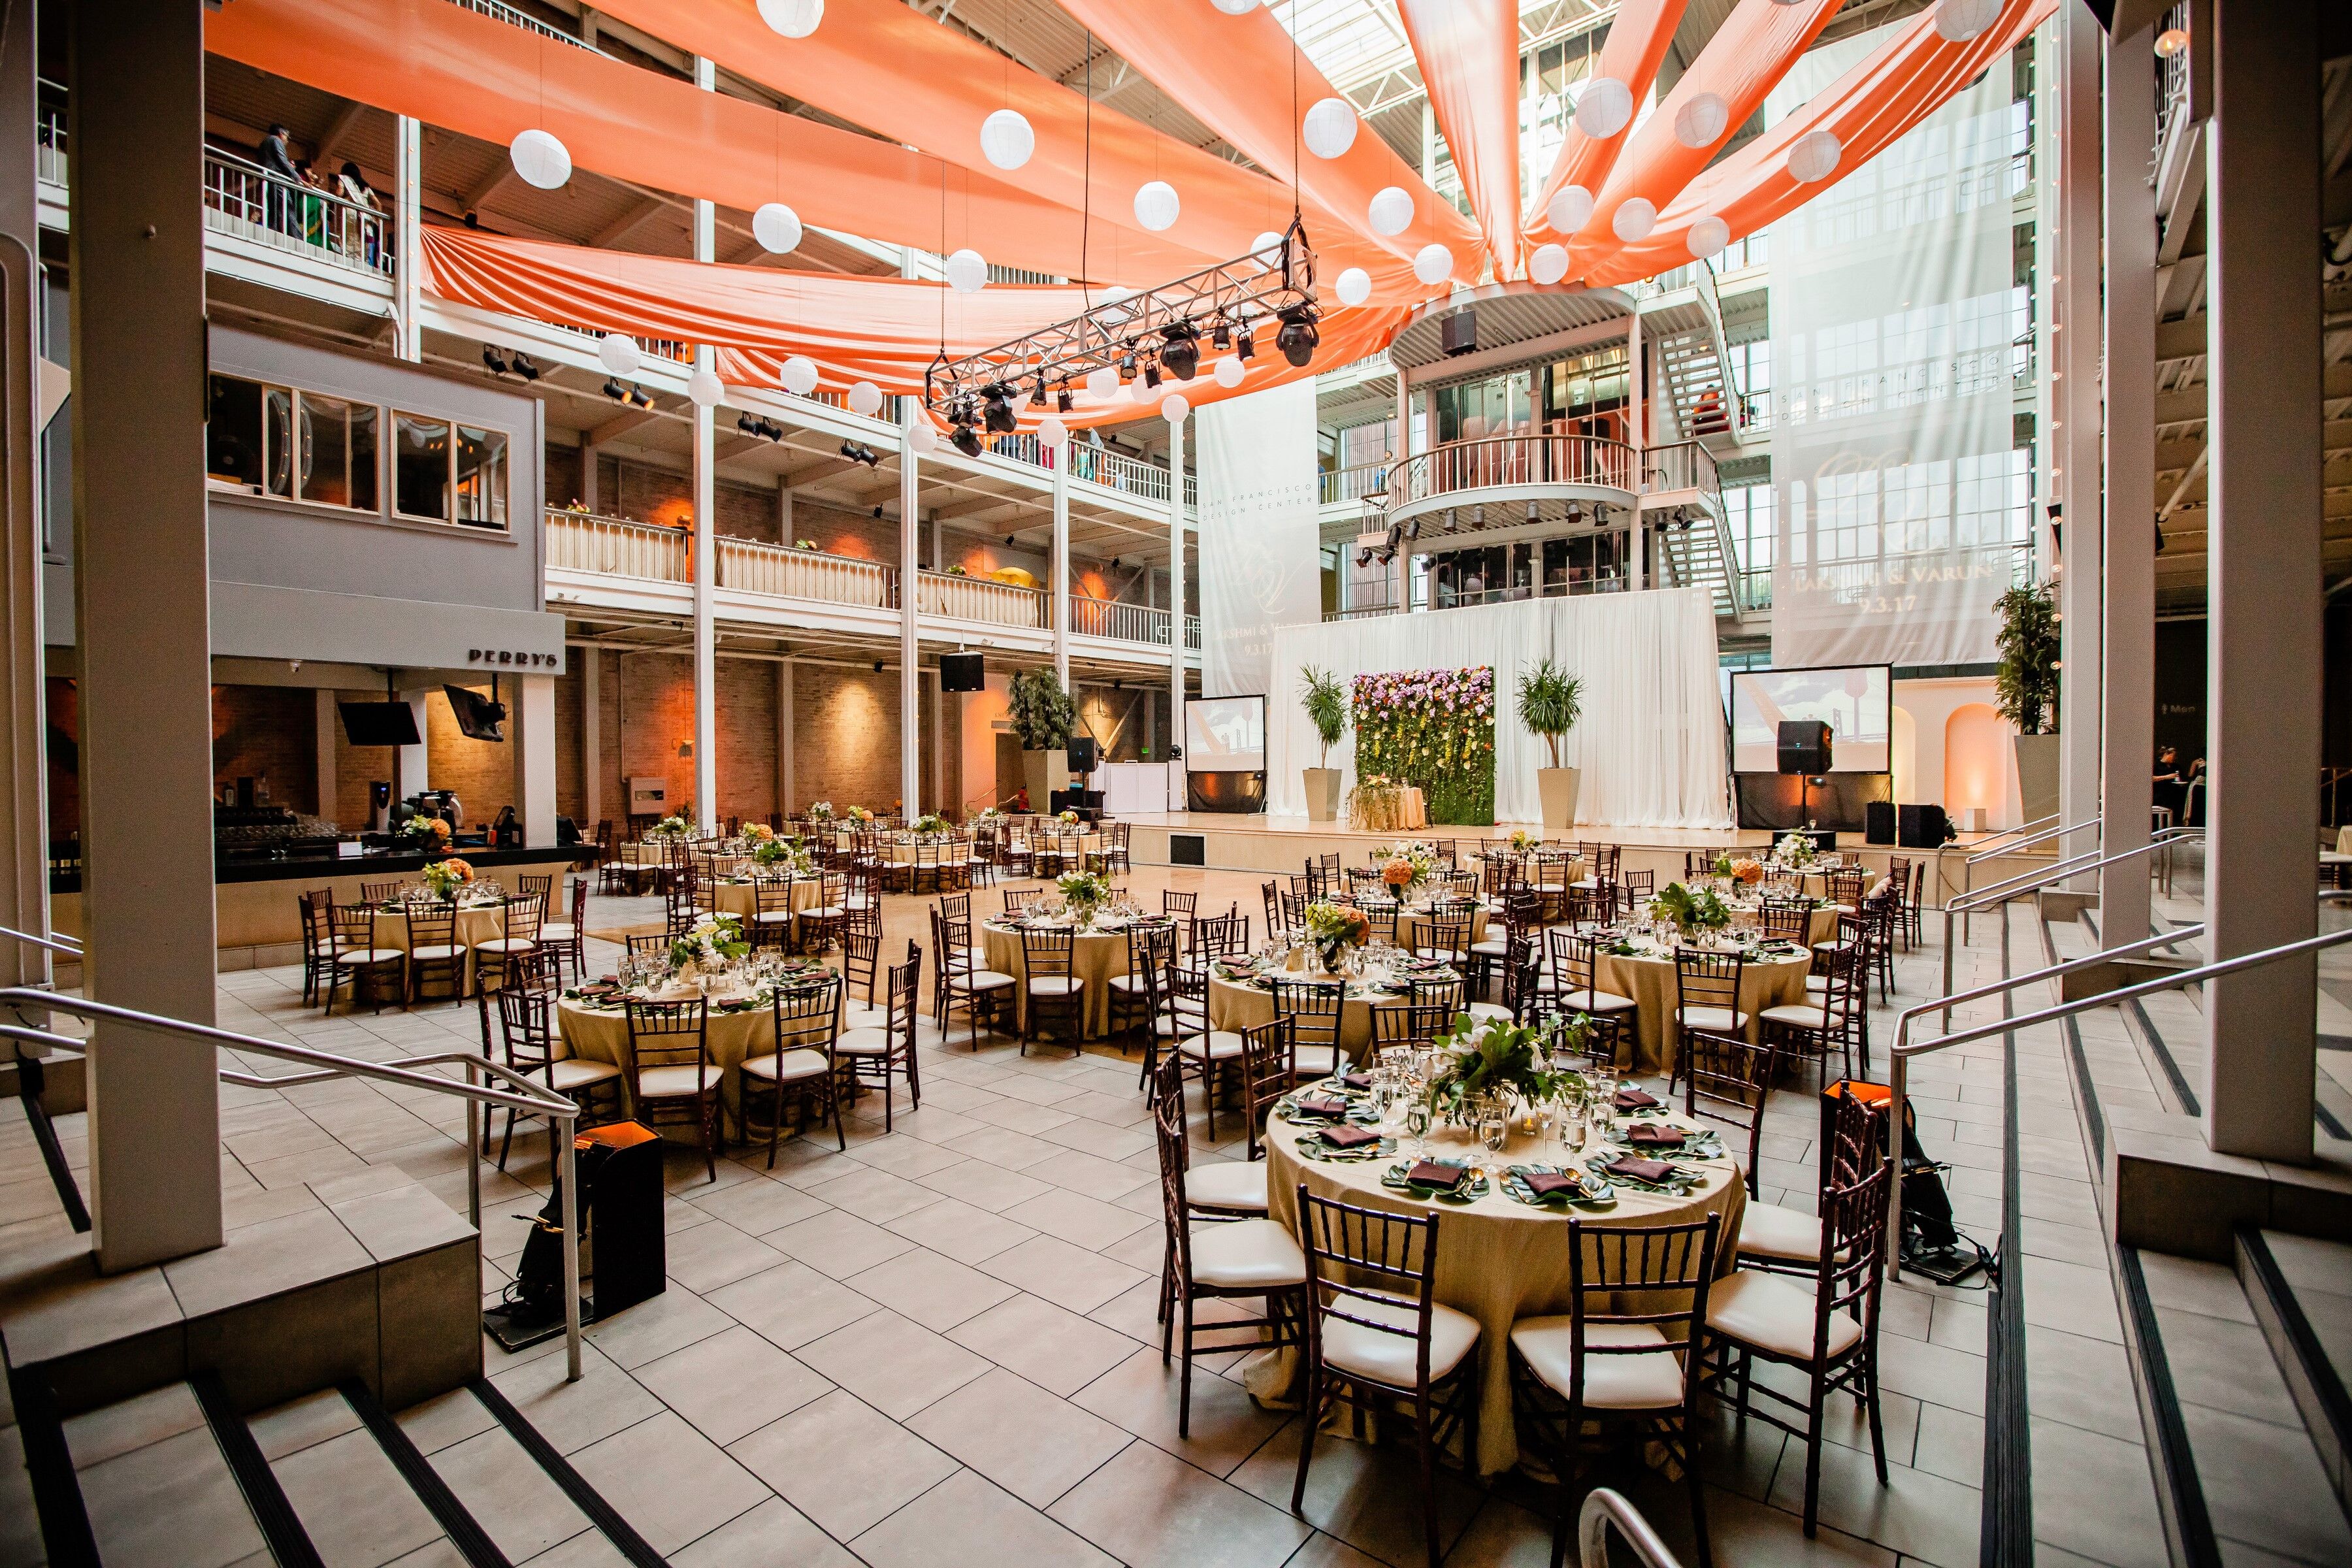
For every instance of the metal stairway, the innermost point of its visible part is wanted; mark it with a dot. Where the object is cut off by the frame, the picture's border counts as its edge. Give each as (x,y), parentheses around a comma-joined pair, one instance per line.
(1696,361)
(1696,553)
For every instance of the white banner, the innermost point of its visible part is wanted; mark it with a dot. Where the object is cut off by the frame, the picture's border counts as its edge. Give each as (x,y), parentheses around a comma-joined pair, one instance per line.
(1261,557)
(1894,307)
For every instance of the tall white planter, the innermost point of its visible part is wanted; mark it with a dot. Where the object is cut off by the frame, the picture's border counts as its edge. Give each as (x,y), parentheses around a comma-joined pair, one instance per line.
(1558,787)
(2037,775)
(1322,794)
(1044,772)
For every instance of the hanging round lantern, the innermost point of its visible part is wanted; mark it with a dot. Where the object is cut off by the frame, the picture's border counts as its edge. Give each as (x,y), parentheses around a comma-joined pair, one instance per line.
(922,438)
(1330,128)
(967,271)
(1238,7)
(1052,430)
(617,352)
(1268,241)
(1707,237)
(800,375)
(1604,108)
(1156,207)
(1549,265)
(705,388)
(1355,285)
(540,158)
(1570,209)
(777,228)
(792,18)
(1006,139)
(1434,265)
(1634,218)
(1391,211)
(1813,157)
(1102,382)
(865,399)
(1174,407)
(1229,372)
(1957,21)
(1702,121)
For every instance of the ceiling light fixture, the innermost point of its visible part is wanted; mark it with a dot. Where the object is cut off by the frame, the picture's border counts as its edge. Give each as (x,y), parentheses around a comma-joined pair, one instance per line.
(1299,335)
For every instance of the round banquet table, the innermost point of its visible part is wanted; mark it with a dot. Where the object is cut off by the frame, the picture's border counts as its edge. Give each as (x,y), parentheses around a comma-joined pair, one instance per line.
(601,1034)
(1237,1004)
(741,899)
(1497,1259)
(475,925)
(1094,957)
(1650,982)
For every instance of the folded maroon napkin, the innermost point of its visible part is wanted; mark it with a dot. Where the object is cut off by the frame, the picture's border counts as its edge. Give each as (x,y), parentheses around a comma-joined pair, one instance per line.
(1652,1135)
(1429,1174)
(1321,1107)
(1345,1137)
(1634,1169)
(1630,1099)
(1543,1184)
(1358,1081)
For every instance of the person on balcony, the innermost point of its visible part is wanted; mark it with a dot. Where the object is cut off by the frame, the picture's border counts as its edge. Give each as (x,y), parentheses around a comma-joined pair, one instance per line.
(277,162)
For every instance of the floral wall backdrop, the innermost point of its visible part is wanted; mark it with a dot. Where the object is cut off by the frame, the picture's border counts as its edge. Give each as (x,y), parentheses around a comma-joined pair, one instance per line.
(1433,729)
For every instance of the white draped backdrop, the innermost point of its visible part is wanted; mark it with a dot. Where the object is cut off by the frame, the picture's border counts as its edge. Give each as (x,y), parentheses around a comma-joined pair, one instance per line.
(1651,743)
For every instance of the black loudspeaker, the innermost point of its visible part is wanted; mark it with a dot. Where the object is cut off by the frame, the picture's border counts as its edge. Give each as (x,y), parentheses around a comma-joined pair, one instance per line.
(1878,822)
(1805,746)
(963,672)
(1083,757)
(1923,827)
(1458,333)
(621,1173)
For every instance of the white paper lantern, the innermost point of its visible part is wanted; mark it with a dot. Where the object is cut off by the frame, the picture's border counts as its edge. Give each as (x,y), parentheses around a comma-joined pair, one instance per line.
(922,438)
(1391,211)
(1102,384)
(1570,209)
(1173,408)
(1549,265)
(1355,285)
(705,388)
(865,399)
(1006,139)
(1434,265)
(1957,21)
(1238,7)
(1708,235)
(1230,371)
(792,18)
(1702,121)
(800,375)
(1156,207)
(1605,108)
(1265,242)
(540,158)
(617,351)
(1330,128)
(967,271)
(1814,157)
(1634,218)
(777,228)
(1052,430)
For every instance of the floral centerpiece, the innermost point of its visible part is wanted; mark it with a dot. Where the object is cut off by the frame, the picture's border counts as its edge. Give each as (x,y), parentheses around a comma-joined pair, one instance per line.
(1522,841)
(773,854)
(987,814)
(425,833)
(445,877)
(1488,1058)
(669,827)
(1689,909)
(758,833)
(1748,871)
(711,944)
(1406,867)
(860,815)
(1332,929)
(1796,849)
(1070,816)
(820,811)
(1084,892)
(931,825)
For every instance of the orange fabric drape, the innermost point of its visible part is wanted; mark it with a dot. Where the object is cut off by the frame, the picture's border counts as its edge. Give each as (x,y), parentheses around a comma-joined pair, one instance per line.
(1469,56)
(1902,82)
(1638,39)
(490,80)
(1234,74)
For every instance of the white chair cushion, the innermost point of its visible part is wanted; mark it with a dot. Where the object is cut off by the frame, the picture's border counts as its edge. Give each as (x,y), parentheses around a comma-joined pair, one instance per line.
(1392,1358)
(863,1043)
(1585,1001)
(505,944)
(786,1066)
(1129,985)
(1227,1184)
(1056,985)
(1491,946)
(1486,1010)
(681,1081)
(981,980)
(1315,1061)
(575,1072)
(1611,1381)
(1441,954)
(1773,1312)
(1219,1046)
(1246,1255)
(358,955)
(1767,1230)
(1714,1020)
(773,917)
(560,931)
(1797,1014)
(435,952)
(826,911)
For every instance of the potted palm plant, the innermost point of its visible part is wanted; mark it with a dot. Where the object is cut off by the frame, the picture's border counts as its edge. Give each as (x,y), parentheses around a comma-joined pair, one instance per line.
(1042,718)
(1326,702)
(2026,686)
(1550,702)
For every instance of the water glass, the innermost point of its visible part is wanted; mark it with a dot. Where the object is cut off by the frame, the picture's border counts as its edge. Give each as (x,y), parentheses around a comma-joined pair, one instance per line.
(1416,1125)
(1494,1126)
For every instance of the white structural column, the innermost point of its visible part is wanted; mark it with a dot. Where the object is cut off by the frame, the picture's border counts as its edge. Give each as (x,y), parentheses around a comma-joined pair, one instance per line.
(705,518)
(408,210)
(2264,651)
(592,738)
(535,757)
(2128,749)
(24,767)
(1636,540)
(910,597)
(136,244)
(413,765)
(1176,589)
(330,778)
(787,786)
(1063,587)
(2074,410)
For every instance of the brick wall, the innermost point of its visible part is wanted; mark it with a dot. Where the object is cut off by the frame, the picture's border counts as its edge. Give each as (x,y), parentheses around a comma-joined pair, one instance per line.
(268,732)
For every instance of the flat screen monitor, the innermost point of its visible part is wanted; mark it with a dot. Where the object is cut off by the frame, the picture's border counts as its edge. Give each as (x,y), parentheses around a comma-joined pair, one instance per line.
(477,716)
(1855,700)
(1225,736)
(379,724)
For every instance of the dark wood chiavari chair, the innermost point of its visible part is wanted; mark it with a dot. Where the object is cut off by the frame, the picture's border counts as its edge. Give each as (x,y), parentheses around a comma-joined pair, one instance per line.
(1313,1008)
(805,1065)
(1052,989)
(960,977)
(533,1046)
(355,958)
(435,953)
(873,1057)
(520,919)
(1135,994)
(672,1080)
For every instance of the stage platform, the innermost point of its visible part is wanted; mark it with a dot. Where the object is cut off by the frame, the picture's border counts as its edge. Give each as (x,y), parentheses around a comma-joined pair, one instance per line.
(1268,845)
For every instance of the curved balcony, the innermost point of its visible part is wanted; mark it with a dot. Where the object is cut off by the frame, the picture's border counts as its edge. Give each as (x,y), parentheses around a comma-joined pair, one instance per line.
(1549,469)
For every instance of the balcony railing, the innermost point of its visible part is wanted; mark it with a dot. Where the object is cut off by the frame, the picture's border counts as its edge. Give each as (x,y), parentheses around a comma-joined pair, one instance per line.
(1680,465)
(1354,483)
(1497,460)
(978,599)
(1115,472)
(755,566)
(1120,622)
(615,547)
(50,134)
(243,200)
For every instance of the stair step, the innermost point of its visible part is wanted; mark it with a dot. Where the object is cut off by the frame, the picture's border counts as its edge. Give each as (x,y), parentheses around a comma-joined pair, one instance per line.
(158,1489)
(2301,1291)
(352,1499)
(516,1503)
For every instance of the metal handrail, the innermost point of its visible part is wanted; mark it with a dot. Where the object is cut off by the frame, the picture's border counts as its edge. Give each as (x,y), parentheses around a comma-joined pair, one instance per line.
(1987,850)
(64,944)
(2031,881)
(1603,1509)
(555,1108)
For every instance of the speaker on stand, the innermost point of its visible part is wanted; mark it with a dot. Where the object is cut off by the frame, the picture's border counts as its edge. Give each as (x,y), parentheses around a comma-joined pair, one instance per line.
(1804,749)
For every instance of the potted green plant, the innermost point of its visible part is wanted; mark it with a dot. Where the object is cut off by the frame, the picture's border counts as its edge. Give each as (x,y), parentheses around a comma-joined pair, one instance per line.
(2026,684)
(1042,718)
(1326,702)
(1550,702)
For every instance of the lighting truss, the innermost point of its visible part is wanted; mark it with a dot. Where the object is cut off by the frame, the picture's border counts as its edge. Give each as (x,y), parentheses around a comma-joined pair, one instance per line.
(1231,296)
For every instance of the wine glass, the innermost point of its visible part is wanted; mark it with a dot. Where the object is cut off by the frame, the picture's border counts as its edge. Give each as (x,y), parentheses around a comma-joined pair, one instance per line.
(1416,1125)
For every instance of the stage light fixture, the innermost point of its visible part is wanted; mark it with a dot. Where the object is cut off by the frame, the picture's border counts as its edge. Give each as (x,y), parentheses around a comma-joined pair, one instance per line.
(1126,367)
(1575,514)
(1364,556)
(1220,334)
(1062,399)
(996,403)
(1477,517)
(1298,336)
(1453,519)
(746,424)
(1413,529)
(1534,511)
(1180,354)
(1246,344)
(858,453)
(525,367)
(1150,375)
(641,397)
(1037,394)
(495,360)
(614,390)
(966,440)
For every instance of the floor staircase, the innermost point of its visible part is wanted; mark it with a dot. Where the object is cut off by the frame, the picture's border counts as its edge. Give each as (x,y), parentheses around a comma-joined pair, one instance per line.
(1694,360)
(1691,554)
